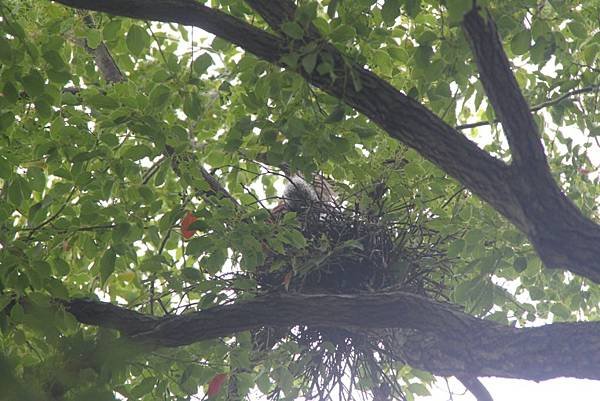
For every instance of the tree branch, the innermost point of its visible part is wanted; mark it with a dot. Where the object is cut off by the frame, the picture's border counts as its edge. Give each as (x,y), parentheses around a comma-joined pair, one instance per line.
(538,107)
(104,60)
(503,91)
(476,388)
(558,99)
(561,235)
(430,335)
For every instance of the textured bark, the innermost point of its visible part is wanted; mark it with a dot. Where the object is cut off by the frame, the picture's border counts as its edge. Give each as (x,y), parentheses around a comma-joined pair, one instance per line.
(525,192)
(503,92)
(561,235)
(429,335)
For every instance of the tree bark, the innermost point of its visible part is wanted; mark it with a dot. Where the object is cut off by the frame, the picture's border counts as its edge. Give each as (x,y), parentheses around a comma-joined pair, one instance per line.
(561,235)
(428,335)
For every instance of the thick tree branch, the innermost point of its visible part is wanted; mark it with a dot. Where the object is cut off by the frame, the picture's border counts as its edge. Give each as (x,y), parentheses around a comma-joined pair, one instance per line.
(563,237)
(503,91)
(430,335)
(261,44)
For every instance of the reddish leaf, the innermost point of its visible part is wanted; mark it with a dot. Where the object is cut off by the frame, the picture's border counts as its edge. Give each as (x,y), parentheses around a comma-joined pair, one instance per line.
(185,225)
(215,384)
(287,279)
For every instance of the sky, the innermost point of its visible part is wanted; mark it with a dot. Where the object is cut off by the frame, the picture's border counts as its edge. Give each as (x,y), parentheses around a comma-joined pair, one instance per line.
(563,389)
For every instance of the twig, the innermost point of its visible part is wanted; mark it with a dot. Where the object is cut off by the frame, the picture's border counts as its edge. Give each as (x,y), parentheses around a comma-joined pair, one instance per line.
(152,170)
(160,50)
(476,388)
(454,195)
(535,108)
(257,199)
(54,216)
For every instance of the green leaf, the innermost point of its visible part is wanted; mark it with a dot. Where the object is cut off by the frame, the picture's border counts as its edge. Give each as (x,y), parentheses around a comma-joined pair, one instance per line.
(109,139)
(539,28)
(42,268)
(152,265)
(520,264)
(33,83)
(309,61)
(418,389)
(343,33)
(107,265)
(145,387)
(413,7)
(390,11)
(94,38)
(215,261)
(159,95)
(199,245)
(55,60)
(5,51)
(111,29)
(294,238)
(561,311)
(120,232)
(293,30)
(137,152)
(192,106)
(383,61)
(336,115)
(10,92)
(60,266)
(18,191)
(201,63)
(520,42)
(101,101)
(456,247)
(137,40)
(457,9)
(5,168)
(291,60)
(578,29)
(191,274)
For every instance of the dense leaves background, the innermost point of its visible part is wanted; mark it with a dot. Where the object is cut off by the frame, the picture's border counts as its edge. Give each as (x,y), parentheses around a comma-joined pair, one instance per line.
(96,176)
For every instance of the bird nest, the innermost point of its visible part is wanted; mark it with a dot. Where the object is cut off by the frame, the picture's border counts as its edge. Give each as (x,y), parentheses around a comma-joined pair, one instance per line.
(363,248)
(352,250)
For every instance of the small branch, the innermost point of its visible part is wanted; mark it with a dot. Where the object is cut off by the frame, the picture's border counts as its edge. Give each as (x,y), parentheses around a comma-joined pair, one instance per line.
(104,60)
(551,102)
(538,107)
(54,216)
(153,170)
(213,183)
(476,388)
(159,46)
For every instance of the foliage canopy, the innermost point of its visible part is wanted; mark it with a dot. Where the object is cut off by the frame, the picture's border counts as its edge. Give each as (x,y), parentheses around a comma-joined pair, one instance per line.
(117,131)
